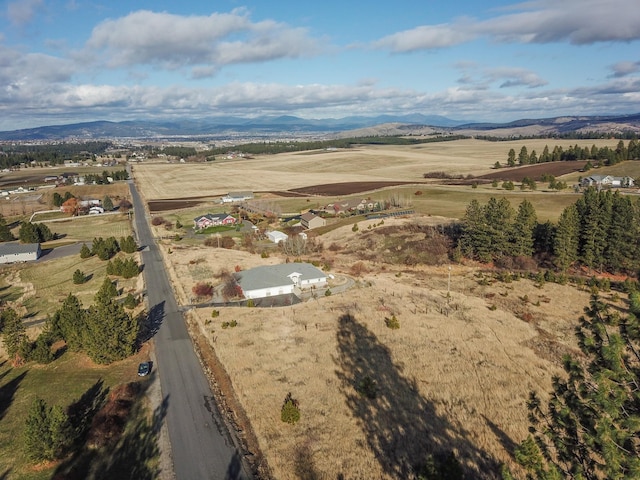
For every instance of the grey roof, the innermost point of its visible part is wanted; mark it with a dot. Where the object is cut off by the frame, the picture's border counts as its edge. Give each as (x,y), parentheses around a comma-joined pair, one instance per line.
(13,248)
(276,275)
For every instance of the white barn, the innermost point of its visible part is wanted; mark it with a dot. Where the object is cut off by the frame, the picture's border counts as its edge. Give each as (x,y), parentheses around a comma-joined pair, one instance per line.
(13,252)
(284,279)
(276,236)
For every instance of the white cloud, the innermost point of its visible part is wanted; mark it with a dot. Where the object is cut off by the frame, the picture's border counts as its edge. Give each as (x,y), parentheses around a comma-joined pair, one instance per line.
(173,41)
(539,21)
(22,12)
(428,37)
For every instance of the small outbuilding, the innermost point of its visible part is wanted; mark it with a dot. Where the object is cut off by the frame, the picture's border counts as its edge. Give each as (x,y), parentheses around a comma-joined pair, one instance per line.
(276,236)
(13,252)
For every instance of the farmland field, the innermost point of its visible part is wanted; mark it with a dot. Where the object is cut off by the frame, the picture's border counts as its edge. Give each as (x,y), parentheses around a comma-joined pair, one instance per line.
(454,377)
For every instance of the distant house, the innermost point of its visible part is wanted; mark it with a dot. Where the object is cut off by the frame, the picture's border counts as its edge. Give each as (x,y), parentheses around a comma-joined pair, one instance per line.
(287,278)
(353,205)
(213,220)
(96,210)
(12,252)
(236,197)
(276,236)
(310,220)
(601,181)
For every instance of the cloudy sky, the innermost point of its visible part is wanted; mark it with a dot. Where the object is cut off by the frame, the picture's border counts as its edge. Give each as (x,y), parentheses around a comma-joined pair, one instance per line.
(64,61)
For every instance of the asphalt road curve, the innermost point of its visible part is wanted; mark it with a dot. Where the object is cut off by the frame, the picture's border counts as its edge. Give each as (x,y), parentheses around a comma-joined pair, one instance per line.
(201,445)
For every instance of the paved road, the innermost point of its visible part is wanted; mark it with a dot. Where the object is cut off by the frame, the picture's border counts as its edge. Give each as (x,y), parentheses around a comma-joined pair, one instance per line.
(200,443)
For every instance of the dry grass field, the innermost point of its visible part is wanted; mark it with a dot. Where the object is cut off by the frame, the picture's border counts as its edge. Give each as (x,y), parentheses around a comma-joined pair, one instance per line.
(454,377)
(302,169)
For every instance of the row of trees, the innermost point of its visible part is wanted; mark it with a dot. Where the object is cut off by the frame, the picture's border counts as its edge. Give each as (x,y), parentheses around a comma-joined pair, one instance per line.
(495,230)
(601,154)
(50,154)
(104,331)
(35,233)
(600,231)
(106,248)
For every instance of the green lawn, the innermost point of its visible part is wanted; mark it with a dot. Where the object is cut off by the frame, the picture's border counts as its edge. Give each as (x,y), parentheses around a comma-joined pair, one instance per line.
(59,383)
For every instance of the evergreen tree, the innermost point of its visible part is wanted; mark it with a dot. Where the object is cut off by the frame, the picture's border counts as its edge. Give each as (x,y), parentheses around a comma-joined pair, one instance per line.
(128,244)
(107,203)
(14,334)
(111,333)
(47,433)
(594,211)
(5,231)
(28,233)
(85,252)
(567,236)
(620,251)
(511,159)
(474,241)
(590,426)
(499,219)
(523,229)
(523,156)
(79,277)
(69,323)
(107,291)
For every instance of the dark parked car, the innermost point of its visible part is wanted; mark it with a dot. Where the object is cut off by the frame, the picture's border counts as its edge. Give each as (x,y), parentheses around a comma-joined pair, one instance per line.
(144,368)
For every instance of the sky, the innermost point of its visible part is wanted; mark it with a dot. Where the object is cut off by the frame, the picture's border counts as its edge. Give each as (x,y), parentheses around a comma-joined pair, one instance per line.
(69,61)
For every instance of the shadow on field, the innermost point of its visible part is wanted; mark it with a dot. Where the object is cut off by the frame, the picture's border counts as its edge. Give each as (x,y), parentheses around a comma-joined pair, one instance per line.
(113,444)
(8,391)
(402,428)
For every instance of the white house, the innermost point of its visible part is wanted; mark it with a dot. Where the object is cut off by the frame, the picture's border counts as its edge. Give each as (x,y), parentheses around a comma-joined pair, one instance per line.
(12,252)
(276,236)
(236,197)
(287,278)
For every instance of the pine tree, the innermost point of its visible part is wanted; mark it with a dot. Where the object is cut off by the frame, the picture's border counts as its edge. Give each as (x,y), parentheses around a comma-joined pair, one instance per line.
(511,159)
(5,231)
(499,219)
(47,433)
(523,156)
(69,323)
(567,236)
(85,252)
(594,211)
(111,332)
(474,241)
(107,291)
(107,203)
(621,250)
(523,228)
(14,334)
(28,233)
(591,424)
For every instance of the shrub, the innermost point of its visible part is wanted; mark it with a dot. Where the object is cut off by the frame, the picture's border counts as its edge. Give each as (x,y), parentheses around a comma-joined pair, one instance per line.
(157,221)
(392,322)
(290,412)
(201,289)
(367,387)
(79,277)
(251,303)
(264,254)
(85,252)
(354,228)
(327,292)
(215,313)
(130,301)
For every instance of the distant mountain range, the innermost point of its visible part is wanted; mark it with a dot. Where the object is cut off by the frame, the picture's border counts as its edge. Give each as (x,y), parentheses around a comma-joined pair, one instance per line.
(290,126)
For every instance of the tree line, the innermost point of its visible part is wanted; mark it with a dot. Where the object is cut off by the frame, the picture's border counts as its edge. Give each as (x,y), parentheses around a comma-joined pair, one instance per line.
(601,230)
(54,154)
(603,155)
